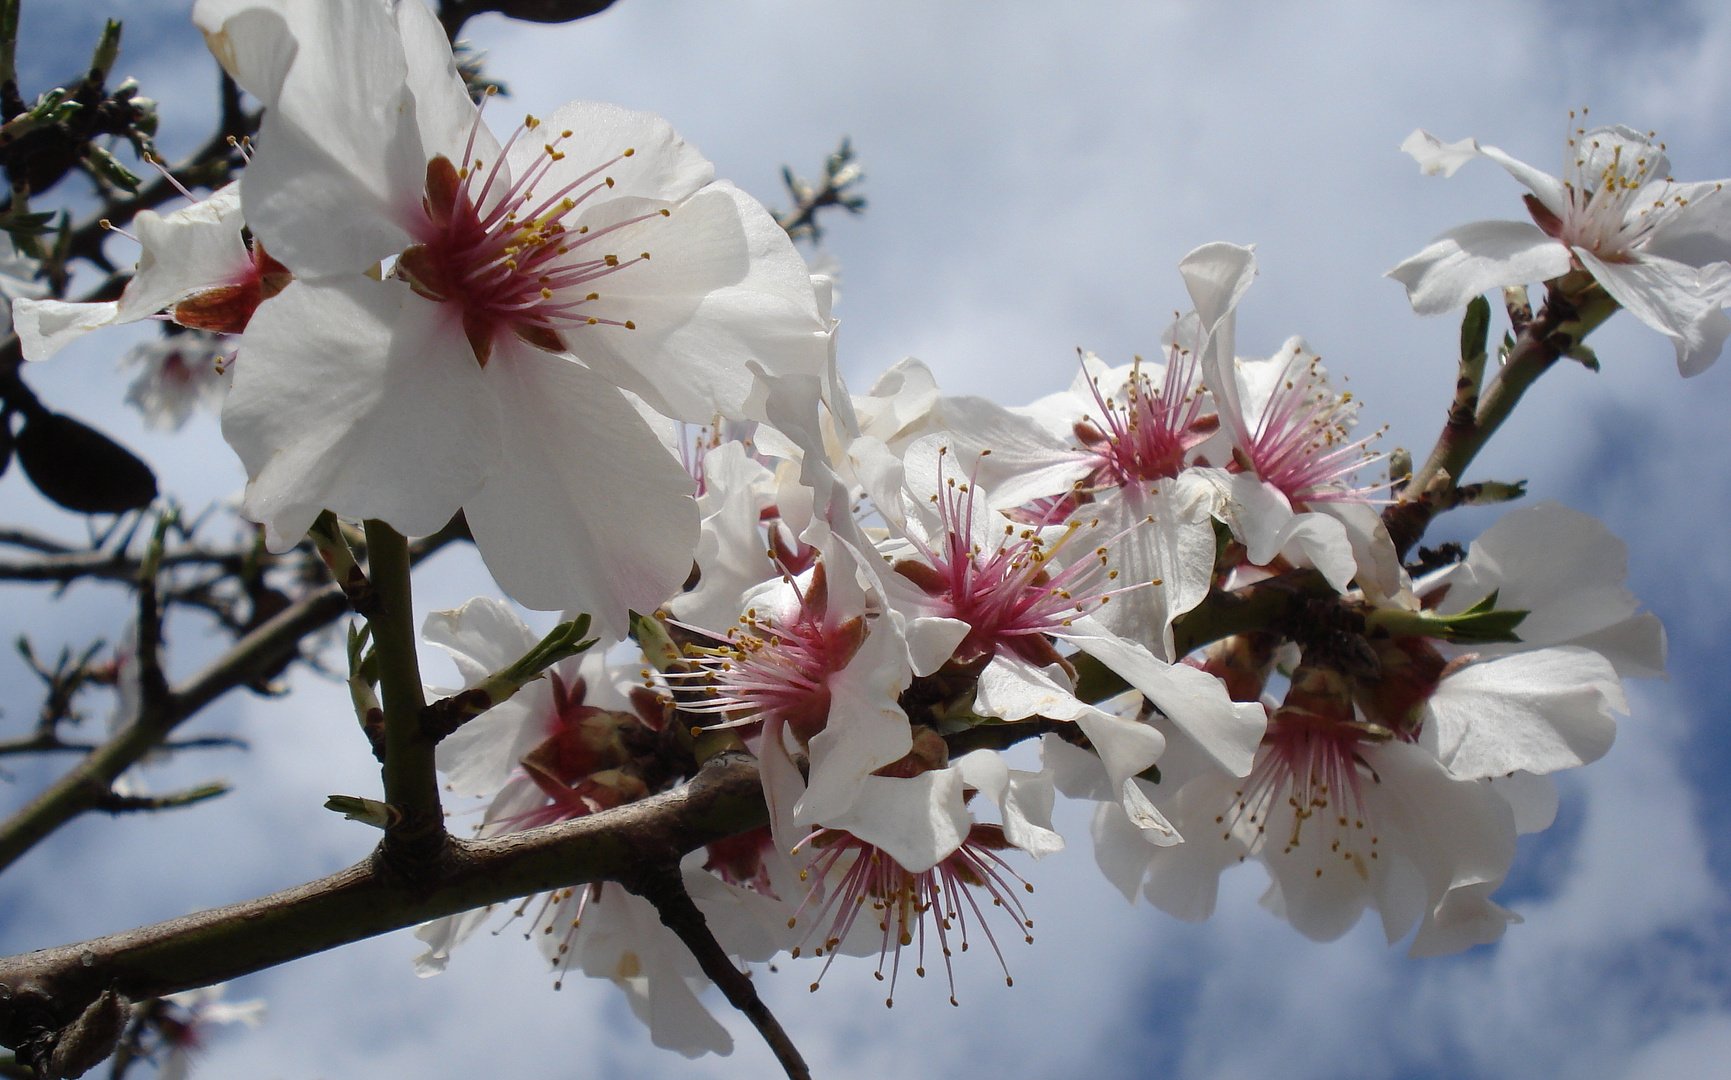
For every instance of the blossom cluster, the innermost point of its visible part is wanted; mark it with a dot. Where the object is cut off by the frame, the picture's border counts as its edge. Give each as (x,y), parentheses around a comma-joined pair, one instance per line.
(1176,578)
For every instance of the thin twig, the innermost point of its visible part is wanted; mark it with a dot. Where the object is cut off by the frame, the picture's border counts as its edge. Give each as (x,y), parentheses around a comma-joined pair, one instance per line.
(417,835)
(659,882)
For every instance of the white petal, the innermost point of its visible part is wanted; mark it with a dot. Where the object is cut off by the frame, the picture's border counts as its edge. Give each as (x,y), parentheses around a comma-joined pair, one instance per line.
(866,730)
(443,109)
(1475,258)
(361,399)
(662,166)
(1533,799)
(443,935)
(1194,700)
(1546,187)
(1438,158)
(339,169)
(482,636)
(724,287)
(586,511)
(1671,298)
(1217,276)
(1011,688)
(192,249)
(918,822)
(44,327)
(1541,711)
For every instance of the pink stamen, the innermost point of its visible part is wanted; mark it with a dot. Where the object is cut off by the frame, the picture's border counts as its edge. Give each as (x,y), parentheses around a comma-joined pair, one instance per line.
(903,901)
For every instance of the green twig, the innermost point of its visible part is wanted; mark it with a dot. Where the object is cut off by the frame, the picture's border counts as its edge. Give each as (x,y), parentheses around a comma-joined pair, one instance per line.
(446,715)
(411,782)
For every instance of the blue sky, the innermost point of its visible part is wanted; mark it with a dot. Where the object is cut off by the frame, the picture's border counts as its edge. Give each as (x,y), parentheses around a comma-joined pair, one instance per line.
(1035,172)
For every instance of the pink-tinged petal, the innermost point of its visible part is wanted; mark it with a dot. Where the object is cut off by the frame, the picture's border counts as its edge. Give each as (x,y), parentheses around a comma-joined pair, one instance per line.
(701,247)
(918,822)
(1679,301)
(357,397)
(192,249)
(1435,157)
(1475,258)
(44,327)
(1548,188)
(585,509)
(1195,701)
(1540,711)
(662,166)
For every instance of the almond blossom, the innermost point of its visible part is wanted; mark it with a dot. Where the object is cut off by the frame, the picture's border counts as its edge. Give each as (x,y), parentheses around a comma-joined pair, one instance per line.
(469,316)
(1656,245)
(194,267)
(178,372)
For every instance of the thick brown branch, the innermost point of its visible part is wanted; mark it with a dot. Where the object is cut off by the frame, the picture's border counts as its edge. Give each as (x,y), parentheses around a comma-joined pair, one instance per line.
(45,990)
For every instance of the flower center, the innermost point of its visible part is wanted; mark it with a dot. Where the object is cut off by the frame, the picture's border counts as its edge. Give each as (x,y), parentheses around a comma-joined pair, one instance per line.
(774,669)
(1302,442)
(1147,436)
(1014,594)
(508,260)
(905,905)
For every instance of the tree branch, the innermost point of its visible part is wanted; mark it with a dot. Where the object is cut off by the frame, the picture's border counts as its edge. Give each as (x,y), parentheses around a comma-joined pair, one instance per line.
(659,883)
(263,651)
(416,834)
(45,990)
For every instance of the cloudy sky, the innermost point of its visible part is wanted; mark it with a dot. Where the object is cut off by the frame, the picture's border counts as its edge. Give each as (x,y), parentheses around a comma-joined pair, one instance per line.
(1035,172)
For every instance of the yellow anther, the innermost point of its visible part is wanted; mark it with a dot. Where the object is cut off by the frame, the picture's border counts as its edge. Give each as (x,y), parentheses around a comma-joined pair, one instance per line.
(611,260)
(546,294)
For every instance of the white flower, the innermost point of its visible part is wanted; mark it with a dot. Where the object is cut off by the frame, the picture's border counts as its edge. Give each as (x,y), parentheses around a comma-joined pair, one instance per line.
(195,1012)
(177,373)
(1657,246)
(193,263)
(525,287)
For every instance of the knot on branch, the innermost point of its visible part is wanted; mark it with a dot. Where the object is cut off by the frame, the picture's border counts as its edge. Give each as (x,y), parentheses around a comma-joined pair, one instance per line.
(31,1024)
